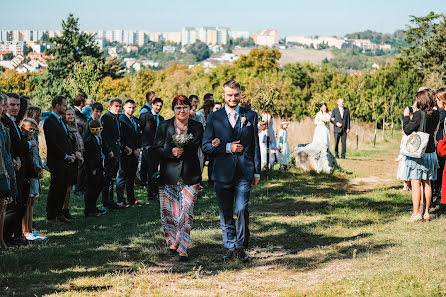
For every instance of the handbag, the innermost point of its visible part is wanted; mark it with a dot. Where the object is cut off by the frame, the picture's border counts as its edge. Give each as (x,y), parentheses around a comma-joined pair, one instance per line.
(414,145)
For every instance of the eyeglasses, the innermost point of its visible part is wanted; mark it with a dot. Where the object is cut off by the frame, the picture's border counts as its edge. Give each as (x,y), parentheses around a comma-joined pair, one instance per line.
(179,109)
(96,129)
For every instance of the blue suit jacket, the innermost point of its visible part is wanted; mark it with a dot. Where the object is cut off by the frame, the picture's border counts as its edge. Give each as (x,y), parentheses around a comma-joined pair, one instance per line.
(225,164)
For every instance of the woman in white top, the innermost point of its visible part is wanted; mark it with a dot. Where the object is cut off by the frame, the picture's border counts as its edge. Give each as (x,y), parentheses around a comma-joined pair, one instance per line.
(284,148)
(322,122)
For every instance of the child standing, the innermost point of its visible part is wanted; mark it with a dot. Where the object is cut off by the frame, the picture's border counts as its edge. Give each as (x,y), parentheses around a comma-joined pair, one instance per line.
(33,172)
(284,148)
(94,159)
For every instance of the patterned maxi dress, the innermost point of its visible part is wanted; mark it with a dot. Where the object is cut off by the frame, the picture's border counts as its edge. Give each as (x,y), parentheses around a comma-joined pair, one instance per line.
(177,206)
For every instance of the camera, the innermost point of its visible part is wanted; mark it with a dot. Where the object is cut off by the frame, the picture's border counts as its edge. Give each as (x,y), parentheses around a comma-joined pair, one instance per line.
(410,109)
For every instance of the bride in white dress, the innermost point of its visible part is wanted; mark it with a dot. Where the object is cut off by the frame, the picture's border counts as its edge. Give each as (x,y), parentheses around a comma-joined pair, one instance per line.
(322,122)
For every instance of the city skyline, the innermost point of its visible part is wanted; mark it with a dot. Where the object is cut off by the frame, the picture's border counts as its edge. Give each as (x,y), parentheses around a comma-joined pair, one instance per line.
(288,17)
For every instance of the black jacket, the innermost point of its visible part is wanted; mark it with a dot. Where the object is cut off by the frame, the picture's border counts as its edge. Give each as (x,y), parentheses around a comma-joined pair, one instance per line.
(93,157)
(130,136)
(58,142)
(19,143)
(147,124)
(81,121)
(187,167)
(111,133)
(431,123)
(345,120)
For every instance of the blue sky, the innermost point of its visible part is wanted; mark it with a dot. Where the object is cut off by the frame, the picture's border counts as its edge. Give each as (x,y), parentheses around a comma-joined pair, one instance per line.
(310,17)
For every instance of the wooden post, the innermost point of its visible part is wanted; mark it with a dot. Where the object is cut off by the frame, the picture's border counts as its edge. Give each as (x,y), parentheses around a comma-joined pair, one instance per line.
(392,125)
(357,134)
(384,126)
(374,138)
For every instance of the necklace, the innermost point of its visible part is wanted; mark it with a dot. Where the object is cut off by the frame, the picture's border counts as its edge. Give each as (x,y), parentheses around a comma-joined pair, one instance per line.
(180,130)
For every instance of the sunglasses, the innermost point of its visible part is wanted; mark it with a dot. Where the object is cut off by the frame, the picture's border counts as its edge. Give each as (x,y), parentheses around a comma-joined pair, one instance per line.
(96,129)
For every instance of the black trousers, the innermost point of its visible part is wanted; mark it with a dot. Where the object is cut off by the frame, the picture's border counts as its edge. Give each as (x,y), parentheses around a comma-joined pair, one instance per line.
(111,167)
(81,184)
(57,190)
(126,178)
(210,167)
(16,210)
(95,184)
(149,165)
(343,137)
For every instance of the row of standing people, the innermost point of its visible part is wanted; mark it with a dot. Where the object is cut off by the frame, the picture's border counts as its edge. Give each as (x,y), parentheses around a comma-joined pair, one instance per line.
(423,174)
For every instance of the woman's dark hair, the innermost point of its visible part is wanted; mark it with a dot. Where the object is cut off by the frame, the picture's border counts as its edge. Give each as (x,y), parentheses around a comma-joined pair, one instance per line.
(207,106)
(23,109)
(322,104)
(426,100)
(180,100)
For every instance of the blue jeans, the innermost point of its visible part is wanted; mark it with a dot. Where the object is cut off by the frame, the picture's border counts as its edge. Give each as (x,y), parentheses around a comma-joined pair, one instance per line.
(235,234)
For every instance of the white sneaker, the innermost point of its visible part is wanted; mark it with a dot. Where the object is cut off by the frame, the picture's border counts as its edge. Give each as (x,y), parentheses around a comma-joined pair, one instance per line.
(30,236)
(39,237)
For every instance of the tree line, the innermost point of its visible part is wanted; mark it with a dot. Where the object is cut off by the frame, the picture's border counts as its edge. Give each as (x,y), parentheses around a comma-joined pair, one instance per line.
(292,91)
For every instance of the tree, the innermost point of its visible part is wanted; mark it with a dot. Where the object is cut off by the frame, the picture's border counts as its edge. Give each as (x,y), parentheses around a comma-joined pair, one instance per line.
(427,41)
(199,49)
(84,78)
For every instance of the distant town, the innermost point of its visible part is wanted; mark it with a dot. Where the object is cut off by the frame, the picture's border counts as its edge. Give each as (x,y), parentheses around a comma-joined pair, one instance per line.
(24,50)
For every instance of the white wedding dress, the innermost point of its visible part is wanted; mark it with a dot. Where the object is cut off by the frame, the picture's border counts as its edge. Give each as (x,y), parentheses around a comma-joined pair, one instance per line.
(322,131)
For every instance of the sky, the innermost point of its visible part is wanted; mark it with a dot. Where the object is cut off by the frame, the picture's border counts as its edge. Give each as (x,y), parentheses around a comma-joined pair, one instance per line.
(308,18)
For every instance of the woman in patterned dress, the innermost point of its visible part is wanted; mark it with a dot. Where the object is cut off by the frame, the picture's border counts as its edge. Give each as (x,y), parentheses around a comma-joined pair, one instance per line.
(177,141)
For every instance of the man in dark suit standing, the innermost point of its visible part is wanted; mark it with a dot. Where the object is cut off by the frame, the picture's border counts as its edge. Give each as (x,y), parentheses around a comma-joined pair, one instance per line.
(231,138)
(148,123)
(58,151)
(111,135)
(19,147)
(81,122)
(130,150)
(340,117)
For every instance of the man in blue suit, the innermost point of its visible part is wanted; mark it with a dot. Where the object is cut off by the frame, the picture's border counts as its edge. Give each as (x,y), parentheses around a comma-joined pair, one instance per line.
(231,138)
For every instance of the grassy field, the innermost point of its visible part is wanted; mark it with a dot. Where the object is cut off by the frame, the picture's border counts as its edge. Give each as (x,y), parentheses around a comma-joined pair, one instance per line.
(312,235)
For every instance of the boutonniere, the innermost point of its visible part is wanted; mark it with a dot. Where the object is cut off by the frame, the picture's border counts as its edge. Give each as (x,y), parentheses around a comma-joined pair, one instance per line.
(242,121)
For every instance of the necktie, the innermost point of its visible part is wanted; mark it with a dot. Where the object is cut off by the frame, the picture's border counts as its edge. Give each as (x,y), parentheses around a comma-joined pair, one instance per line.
(17,129)
(233,118)
(117,124)
(100,146)
(63,125)
(134,124)
(157,120)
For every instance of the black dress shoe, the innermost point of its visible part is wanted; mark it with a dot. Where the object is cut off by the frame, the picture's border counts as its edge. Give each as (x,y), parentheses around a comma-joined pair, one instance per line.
(228,255)
(242,255)
(63,219)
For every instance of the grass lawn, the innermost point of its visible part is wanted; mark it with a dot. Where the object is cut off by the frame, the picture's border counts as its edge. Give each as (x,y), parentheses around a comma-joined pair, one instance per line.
(311,235)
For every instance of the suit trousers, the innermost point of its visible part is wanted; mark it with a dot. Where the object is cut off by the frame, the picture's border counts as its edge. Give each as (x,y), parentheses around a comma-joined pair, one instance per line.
(126,178)
(95,184)
(149,165)
(57,190)
(235,233)
(111,167)
(343,137)
(16,211)
(81,184)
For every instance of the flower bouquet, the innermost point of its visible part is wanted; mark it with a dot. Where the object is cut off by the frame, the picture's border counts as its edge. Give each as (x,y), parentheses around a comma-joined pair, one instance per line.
(180,140)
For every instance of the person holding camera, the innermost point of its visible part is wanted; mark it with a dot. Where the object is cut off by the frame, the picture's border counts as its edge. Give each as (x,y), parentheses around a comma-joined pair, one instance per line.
(421,171)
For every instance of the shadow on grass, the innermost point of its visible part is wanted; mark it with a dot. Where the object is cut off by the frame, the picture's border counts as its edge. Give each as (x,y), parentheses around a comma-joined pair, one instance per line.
(121,241)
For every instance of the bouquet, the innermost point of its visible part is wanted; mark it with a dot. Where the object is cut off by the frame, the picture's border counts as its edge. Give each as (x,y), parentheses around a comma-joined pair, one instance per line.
(180,140)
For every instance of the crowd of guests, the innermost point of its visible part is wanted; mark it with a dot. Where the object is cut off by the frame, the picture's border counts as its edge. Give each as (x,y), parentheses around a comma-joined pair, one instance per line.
(424,176)
(92,153)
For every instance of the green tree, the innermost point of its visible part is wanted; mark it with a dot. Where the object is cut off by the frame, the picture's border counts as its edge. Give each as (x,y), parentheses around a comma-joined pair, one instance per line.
(199,49)
(84,78)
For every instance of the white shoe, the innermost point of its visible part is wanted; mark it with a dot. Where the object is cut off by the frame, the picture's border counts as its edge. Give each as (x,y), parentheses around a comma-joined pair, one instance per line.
(39,237)
(30,237)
